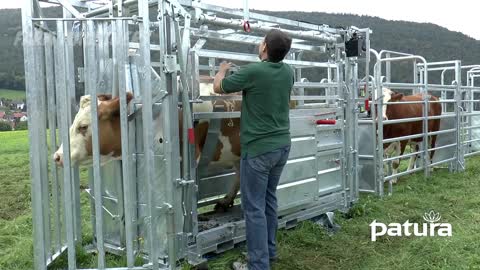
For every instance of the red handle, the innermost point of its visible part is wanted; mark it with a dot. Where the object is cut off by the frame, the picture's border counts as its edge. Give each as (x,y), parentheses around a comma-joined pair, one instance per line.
(246,27)
(326,122)
(191,136)
(367,105)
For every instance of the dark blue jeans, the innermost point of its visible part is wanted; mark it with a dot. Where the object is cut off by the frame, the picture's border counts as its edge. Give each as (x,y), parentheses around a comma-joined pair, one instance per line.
(259,178)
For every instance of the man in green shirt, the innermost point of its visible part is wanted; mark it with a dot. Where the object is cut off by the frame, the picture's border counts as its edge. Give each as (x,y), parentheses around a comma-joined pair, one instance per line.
(265,141)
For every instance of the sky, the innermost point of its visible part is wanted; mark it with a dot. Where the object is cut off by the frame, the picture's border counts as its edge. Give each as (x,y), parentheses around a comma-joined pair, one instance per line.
(456,15)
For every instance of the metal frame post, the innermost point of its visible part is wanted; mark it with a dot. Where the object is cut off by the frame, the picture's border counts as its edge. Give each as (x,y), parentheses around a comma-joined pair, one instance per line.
(121,32)
(34,93)
(459,151)
(64,130)
(147,117)
(91,88)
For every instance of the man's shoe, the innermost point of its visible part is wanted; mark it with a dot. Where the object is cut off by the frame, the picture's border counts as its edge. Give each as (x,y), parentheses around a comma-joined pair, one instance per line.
(240,266)
(272,259)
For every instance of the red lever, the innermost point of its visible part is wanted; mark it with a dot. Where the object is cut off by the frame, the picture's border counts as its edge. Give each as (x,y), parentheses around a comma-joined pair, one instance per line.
(326,122)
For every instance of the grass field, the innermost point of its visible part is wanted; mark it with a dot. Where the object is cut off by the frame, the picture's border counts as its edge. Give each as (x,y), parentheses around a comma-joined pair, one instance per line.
(12,94)
(308,246)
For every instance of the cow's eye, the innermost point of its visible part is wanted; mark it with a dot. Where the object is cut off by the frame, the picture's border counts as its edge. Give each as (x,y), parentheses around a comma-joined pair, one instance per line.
(160,140)
(83,129)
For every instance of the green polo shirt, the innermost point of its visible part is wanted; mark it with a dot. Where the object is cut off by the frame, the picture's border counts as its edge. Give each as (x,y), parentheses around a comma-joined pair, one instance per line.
(266,88)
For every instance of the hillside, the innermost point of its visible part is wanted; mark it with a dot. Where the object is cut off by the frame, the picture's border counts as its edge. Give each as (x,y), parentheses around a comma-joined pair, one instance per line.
(429,40)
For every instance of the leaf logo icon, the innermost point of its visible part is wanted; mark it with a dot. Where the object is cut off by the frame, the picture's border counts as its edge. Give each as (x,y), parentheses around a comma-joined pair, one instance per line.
(431,216)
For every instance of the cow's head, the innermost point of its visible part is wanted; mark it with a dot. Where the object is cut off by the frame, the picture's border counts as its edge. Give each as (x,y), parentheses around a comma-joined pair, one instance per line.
(108,110)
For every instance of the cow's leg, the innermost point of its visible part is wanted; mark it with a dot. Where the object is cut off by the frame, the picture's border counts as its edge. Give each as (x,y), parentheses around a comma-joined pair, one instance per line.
(396,162)
(227,202)
(399,149)
(433,141)
(387,152)
(413,159)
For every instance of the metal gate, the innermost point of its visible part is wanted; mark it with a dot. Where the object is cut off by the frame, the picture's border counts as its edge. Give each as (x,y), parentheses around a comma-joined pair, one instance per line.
(454,137)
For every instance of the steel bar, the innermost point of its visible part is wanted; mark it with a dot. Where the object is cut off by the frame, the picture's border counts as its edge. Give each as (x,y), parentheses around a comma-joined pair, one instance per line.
(254,58)
(263,28)
(314,85)
(34,93)
(70,81)
(61,91)
(388,178)
(442,147)
(470,141)
(147,117)
(472,154)
(265,18)
(91,87)
(121,31)
(450,68)
(441,162)
(470,114)
(42,137)
(403,138)
(236,37)
(403,156)
(52,124)
(86,19)
(471,127)
(442,132)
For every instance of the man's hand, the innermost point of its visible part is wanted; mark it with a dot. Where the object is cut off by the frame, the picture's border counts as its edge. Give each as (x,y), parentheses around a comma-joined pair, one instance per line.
(224,67)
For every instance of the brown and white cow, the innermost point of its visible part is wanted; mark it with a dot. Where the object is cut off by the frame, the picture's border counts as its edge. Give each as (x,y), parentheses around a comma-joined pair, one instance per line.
(402,111)
(227,152)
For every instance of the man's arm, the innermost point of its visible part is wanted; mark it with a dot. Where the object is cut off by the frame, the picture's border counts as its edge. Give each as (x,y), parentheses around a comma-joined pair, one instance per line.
(239,81)
(217,81)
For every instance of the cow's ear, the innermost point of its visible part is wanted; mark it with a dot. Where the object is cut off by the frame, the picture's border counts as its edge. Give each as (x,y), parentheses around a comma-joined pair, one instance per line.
(111,108)
(396,97)
(85,101)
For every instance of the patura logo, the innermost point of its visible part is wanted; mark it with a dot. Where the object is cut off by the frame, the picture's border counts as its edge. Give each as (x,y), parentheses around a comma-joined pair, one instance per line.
(431,227)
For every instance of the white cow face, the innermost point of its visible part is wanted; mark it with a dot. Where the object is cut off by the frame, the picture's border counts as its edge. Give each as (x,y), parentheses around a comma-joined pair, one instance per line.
(387,96)
(81,132)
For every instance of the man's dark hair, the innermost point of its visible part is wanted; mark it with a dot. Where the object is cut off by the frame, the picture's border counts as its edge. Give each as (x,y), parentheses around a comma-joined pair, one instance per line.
(278,45)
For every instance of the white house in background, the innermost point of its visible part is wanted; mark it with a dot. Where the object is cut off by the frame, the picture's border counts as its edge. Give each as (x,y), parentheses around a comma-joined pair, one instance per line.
(19,105)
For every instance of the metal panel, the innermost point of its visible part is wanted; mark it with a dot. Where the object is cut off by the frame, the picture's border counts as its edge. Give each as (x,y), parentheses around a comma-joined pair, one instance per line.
(445,139)
(299,169)
(475,146)
(366,161)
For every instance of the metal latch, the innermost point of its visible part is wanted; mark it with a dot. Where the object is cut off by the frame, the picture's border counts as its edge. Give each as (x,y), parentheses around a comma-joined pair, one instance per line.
(81,75)
(170,64)
(183,182)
